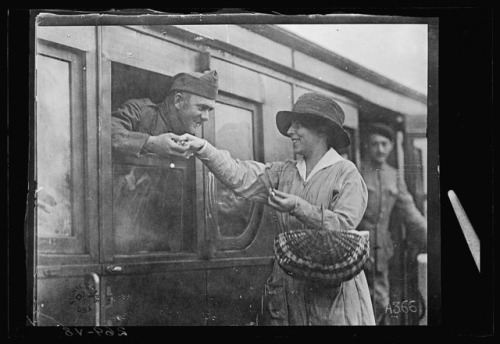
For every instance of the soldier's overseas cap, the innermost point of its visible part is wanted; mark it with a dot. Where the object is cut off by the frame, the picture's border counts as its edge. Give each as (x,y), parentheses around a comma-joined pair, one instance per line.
(203,84)
(382,129)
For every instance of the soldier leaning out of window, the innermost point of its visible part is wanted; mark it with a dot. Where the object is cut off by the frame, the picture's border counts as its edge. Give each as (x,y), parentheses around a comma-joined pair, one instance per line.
(146,200)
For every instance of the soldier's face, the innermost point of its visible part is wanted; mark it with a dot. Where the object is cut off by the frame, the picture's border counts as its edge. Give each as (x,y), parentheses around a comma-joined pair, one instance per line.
(193,111)
(379,148)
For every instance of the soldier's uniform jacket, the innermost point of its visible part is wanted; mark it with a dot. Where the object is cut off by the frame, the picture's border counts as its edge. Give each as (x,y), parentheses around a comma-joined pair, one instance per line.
(134,121)
(387,191)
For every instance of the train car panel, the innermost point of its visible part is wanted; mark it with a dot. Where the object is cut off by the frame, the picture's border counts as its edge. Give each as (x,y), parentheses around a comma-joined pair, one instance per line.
(127,46)
(79,37)
(345,80)
(65,301)
(237,80)
(234,295)
(155,299)
(278,97)
(244,39)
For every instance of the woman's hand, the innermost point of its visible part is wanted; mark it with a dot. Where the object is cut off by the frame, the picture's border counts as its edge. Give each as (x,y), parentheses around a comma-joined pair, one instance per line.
(282,201)
(193,143)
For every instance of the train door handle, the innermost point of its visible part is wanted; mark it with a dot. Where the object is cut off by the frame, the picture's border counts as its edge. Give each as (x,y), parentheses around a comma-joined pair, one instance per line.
(211,199)
(93,284)
(114,268)
(211,216)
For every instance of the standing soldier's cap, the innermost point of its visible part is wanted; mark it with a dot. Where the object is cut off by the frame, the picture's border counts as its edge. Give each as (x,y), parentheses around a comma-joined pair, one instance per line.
(382,129)
(203,84)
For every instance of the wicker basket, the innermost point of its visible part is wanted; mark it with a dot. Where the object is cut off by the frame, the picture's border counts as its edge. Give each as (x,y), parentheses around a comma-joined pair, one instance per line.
(322,256)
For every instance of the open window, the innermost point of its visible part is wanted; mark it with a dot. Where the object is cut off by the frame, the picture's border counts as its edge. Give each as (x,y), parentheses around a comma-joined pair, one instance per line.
(153,199)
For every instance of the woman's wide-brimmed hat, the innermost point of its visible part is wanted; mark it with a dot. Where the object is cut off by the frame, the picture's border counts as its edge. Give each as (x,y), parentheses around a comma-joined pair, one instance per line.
(322,256)
(316,104)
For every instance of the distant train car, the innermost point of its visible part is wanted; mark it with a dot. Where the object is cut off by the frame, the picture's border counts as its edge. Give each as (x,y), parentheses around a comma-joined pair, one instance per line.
(204,256)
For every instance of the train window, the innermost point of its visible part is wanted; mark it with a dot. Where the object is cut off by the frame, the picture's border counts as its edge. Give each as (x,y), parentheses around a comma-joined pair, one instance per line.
(233,132)
(152,195)
(235,127)
(59,143)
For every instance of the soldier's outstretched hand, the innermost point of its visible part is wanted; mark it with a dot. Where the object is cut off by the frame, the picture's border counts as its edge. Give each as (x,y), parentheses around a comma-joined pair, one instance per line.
(167,144)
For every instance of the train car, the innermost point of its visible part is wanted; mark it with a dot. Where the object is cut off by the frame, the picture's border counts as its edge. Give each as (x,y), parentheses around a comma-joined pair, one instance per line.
(208,263)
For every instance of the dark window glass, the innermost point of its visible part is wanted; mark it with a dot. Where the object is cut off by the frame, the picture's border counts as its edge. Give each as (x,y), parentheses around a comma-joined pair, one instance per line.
(148,209)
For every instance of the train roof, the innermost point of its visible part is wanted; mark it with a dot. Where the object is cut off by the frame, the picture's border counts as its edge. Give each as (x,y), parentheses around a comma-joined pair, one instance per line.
(275,48)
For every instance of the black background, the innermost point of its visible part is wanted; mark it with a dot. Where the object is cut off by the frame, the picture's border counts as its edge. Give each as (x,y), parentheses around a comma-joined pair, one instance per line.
(466,164)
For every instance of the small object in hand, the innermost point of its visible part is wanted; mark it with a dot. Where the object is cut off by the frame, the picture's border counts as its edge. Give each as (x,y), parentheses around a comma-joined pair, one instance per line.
(273,193)
(179,142)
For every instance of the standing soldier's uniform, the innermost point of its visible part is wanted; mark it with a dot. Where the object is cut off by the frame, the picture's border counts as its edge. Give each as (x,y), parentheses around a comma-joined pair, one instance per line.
(387,191)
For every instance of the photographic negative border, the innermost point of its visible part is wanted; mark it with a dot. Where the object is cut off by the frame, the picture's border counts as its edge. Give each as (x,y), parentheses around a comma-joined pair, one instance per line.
(456,46)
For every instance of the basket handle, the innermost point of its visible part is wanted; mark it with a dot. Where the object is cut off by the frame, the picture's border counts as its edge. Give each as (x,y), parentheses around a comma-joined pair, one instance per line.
(322,219)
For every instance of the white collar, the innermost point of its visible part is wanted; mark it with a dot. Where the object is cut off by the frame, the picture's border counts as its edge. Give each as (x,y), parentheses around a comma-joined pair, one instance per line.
(331,157)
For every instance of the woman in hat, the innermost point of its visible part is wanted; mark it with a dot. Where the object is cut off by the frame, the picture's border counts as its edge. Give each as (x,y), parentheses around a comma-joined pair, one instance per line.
(320,190)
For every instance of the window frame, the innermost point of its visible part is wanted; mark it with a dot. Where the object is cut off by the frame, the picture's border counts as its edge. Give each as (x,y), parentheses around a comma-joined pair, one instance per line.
(110,253)
(222,247)
(56,263)
(78,243)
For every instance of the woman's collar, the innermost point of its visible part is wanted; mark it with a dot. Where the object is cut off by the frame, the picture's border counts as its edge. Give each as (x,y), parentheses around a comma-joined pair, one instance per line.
(329,158)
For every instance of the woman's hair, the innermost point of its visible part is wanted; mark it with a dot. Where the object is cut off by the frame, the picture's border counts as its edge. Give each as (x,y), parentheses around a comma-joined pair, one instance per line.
(320,125)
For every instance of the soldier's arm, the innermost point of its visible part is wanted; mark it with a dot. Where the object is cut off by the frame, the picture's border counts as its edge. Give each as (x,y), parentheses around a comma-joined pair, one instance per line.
(124,122)
(126,140)
(414,220)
